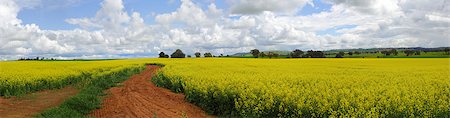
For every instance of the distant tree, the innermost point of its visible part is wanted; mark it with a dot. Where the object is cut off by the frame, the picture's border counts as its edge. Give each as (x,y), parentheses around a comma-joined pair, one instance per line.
(162,55)
(417,52)
(315,54)
(221,55)
(319,54)
(297,53)
(387,53)
(305,56)
(255,53)
(350,53)
(408,52)
(188,56)
(198,54)
(394,52)
(276,55)
(178,54)
(270,54)
(341,53)
(262,54)
(339,56)
(208,54)
(357,52)
(447,51)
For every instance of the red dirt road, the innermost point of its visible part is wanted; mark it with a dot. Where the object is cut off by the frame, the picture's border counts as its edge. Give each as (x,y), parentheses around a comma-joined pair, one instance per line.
(31,104)
(139,97)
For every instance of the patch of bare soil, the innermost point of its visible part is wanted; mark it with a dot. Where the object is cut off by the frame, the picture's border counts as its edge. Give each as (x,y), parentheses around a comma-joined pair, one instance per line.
(138,97)
(31,104)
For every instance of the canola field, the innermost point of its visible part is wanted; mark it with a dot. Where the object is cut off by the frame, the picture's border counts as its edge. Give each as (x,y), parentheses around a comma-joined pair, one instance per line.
(21,77)
(269,87)
(313,87)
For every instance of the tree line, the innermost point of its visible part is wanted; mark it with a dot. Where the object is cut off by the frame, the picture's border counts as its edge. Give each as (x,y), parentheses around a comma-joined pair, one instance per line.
(297,53)
(179,54)
(36,59)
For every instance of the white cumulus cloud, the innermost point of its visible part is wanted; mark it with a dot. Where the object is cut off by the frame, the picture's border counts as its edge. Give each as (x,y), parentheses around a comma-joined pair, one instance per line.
(247,24)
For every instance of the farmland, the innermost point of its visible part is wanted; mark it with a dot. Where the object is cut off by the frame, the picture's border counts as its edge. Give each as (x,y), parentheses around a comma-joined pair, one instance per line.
(313,87)
(20,77)
(270,87)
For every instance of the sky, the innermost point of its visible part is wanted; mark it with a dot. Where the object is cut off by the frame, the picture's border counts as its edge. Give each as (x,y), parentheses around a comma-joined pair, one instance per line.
(68,29)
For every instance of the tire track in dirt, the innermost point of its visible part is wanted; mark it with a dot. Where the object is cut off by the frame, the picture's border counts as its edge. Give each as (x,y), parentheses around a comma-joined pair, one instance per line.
(139,97)
(33,103)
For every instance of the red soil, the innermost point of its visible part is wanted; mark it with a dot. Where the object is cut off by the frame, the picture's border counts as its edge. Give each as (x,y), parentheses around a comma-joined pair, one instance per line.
(31,104)
(139,97)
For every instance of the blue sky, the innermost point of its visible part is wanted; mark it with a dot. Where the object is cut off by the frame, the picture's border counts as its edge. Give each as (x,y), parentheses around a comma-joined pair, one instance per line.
(143,28)
(52,17)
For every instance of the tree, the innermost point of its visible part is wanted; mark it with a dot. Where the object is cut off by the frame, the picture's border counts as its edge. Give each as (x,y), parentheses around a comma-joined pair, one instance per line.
(262,54)
(357,52)
(341,53)
(178,54)
(394,51)
(387,53)
(270,55)
(276,55)
(188,56)
(255,53)
(408,52)
(447,51)
(315,54)
(339,56)
(162,55)
(198,54)
(350,53)
(207,54)
(297,53)
(417,52)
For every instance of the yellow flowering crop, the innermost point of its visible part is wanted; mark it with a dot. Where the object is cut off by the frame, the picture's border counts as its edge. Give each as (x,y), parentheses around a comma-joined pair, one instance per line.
(313,87)
(19,77)
(274,87)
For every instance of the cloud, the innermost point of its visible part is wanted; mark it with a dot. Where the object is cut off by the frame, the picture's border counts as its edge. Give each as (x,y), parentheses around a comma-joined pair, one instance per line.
(111,32)
(8,13)
(379,7)
(259,6)
(190,14)
(115,33)
(111,16)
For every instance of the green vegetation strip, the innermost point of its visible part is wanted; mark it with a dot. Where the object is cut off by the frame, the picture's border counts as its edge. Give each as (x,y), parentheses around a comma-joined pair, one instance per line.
(89,97)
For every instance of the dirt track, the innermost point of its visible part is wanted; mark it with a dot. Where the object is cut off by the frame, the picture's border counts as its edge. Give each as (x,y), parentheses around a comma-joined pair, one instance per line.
(31,104)
(138,97)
